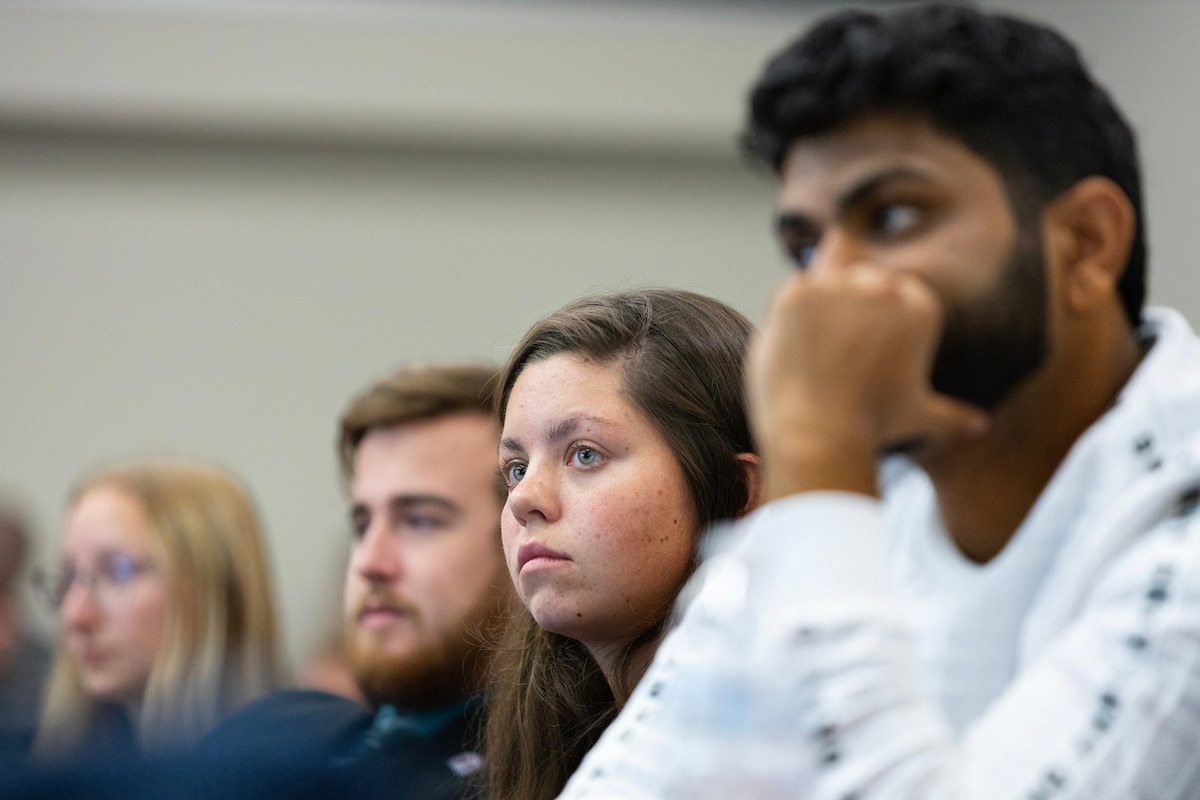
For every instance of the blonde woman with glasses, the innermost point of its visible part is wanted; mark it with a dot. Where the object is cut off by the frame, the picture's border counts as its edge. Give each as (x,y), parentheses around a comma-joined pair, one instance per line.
(164,605)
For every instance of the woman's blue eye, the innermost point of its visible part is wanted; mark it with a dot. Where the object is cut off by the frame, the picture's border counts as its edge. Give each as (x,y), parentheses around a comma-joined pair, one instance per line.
(119,569)
(586,456)
(515,473)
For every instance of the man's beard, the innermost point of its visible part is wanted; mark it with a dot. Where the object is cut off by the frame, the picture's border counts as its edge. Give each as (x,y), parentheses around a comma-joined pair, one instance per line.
(992,343)
(439,669)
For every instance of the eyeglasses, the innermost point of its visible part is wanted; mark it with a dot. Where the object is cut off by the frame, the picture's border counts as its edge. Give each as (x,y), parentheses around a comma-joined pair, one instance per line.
(106,581)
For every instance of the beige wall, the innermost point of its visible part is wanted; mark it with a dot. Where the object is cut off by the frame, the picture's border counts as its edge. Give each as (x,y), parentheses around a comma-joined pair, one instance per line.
(219,222)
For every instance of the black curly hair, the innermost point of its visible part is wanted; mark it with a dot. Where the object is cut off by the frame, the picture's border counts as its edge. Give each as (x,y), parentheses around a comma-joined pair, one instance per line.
(1014,92)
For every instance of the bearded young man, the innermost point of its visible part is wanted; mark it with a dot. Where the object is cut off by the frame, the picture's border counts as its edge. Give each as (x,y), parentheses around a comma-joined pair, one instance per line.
(1009,605)
(425,589)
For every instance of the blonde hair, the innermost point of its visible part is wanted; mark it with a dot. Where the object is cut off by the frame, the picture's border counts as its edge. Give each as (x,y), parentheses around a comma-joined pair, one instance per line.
(220,646)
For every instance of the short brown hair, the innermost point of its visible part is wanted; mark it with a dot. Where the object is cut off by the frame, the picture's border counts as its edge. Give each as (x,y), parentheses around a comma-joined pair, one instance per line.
(417,392)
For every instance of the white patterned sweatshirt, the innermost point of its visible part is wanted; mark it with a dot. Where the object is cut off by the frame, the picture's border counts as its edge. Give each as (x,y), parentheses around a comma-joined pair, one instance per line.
(843,648)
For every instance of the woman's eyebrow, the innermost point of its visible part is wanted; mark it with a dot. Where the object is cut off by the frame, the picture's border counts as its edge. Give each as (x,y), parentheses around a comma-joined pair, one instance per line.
(562,429)
(511,445)
(570,426)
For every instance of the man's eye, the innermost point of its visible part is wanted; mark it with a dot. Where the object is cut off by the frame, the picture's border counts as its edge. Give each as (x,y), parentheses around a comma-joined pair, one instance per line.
(423,522)
(800,248)
(359,524)
(896,218)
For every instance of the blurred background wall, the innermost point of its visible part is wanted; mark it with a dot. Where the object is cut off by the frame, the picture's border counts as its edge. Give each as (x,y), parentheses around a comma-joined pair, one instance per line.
(220,220)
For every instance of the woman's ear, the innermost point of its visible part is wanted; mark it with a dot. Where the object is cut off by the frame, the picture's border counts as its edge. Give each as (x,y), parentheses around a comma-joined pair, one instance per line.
(752,467)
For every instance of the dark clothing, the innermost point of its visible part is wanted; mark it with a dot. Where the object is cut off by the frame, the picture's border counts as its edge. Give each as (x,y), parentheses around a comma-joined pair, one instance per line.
(248,776)
(389,754)
(112,738)
(21,684)
(291,745)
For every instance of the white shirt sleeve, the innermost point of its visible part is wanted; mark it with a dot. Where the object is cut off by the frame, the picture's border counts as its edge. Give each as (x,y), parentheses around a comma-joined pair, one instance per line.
(791,675)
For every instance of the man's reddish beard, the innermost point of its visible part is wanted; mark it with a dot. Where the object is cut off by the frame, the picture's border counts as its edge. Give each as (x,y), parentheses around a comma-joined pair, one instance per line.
(440,668)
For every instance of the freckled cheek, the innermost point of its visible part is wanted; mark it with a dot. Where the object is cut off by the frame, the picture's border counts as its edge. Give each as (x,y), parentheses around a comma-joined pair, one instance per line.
(616,522)
(641,540)
(667,540)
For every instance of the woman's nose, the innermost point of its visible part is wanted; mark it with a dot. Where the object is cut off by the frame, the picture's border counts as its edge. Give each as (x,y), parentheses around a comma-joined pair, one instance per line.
(79,605)
(535,496)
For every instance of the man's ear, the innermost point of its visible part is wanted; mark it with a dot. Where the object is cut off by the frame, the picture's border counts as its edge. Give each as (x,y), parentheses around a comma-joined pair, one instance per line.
(1089,233)
(752,467)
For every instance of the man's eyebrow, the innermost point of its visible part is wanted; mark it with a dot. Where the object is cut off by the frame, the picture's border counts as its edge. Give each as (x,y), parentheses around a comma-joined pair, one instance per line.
(792,222)
(871,183)
(406,502)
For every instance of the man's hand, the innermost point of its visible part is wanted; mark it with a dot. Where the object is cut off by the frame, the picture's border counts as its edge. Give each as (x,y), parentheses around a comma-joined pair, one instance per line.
(841,372)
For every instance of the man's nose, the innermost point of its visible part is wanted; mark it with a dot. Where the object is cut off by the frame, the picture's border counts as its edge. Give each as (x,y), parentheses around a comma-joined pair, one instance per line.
(378,555)
(837,249)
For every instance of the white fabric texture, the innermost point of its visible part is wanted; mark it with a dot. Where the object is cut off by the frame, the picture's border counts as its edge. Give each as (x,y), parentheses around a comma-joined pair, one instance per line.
(846,650)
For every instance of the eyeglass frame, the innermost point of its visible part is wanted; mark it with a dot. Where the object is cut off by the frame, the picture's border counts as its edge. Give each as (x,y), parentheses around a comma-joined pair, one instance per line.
(118,572)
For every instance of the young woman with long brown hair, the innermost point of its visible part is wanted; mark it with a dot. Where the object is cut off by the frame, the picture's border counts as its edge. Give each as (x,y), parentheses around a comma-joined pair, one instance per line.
(624,436)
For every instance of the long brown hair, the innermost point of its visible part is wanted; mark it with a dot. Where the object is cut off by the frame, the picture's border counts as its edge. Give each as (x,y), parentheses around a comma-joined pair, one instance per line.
(220,648)
(680,356)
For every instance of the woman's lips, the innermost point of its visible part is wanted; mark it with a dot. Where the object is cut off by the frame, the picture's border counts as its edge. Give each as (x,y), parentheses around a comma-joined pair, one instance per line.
(93,657)
(533,556)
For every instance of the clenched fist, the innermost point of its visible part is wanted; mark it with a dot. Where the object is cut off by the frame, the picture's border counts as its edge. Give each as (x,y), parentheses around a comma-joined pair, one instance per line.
(841,372)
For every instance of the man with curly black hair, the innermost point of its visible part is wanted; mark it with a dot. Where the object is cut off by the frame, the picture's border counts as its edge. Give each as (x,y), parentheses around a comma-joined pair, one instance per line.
(979,572)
